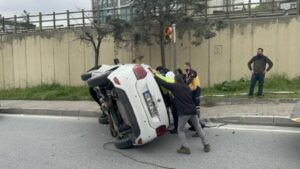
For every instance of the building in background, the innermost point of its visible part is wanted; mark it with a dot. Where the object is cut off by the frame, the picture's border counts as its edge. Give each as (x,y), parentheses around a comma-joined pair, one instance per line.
(215,6)
(105,9)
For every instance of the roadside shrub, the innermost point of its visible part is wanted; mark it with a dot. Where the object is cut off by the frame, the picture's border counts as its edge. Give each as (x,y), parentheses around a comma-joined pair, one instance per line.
(232,85)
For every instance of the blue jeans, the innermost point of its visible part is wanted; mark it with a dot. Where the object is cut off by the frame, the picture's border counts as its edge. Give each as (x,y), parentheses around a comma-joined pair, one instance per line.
(195,121)
(260,77)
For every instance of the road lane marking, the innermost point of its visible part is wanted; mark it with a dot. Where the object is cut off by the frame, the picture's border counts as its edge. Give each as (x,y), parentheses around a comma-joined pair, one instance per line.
(262,129)
(46,116)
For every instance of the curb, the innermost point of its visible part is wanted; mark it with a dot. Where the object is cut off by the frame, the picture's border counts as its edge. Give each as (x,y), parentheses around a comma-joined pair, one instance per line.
(246,120)
(49,112)
(255,120)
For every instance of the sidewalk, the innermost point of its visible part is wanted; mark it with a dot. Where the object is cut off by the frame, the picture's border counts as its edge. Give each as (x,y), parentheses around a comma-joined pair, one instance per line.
(239,111)
(64,108)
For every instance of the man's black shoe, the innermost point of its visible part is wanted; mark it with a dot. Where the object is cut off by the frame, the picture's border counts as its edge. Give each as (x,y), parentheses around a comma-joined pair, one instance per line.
(192,129)
(174,131)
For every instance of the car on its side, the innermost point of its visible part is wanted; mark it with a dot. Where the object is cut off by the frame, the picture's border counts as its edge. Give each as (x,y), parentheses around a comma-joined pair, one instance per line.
(130,99)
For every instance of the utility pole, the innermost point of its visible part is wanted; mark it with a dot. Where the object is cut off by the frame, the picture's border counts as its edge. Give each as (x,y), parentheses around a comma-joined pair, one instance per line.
(298,7)
(174,47)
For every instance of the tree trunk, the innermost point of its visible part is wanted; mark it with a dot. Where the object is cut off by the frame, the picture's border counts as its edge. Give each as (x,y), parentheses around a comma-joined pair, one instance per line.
(97,50)
(162,45)
(97,53)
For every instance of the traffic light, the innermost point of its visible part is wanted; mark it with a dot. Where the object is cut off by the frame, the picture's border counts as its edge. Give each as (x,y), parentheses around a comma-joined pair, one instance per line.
(168,33)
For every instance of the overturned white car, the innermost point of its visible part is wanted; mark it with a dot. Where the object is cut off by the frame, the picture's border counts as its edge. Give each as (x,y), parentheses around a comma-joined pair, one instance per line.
(131,102)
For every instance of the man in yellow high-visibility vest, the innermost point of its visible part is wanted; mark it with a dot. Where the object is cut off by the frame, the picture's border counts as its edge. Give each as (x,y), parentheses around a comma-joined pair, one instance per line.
(193,80)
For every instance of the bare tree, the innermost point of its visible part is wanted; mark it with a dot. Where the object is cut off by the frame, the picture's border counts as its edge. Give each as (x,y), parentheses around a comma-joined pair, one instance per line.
(115,27)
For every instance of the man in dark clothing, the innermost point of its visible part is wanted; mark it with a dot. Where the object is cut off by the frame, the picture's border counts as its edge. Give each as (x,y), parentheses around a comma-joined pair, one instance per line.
(186,110)
(258,71)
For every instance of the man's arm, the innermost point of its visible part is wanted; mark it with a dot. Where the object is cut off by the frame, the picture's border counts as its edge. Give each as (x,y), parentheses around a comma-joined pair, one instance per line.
(270,63)
(163,83)
(250,63)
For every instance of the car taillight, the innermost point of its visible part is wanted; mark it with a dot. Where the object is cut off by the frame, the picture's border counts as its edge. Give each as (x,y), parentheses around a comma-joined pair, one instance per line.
(161,130)
(139,71)
(140,141)
(116,80)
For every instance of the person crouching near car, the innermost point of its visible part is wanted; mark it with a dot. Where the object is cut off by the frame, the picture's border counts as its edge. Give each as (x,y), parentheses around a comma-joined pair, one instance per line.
(186,111)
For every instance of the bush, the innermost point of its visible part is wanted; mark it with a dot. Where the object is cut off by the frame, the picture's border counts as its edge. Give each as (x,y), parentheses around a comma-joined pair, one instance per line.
(233,85)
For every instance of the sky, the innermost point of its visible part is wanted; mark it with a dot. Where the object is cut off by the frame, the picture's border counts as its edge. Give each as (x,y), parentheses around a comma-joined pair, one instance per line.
(9,8)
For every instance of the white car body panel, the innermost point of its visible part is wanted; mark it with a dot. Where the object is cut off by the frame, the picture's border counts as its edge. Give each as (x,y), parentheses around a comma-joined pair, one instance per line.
(134,90)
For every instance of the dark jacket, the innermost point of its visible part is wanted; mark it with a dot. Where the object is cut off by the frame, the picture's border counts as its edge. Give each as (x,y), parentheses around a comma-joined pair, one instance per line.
(259,64)
(182,97)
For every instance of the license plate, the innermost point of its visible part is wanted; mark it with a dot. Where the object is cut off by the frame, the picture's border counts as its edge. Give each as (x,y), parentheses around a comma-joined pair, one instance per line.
(150,104)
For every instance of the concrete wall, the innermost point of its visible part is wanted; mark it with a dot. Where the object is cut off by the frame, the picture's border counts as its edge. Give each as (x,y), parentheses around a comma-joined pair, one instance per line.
(49,57)
(31,59)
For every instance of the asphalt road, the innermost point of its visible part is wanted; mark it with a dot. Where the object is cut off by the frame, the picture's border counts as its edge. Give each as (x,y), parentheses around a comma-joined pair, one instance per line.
(43,142)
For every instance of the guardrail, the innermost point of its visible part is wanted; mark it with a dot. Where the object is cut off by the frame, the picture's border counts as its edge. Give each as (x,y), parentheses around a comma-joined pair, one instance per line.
(75,19)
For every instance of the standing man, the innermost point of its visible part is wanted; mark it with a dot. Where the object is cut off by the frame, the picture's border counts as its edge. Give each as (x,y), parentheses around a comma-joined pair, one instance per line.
(258,71)
(186,110)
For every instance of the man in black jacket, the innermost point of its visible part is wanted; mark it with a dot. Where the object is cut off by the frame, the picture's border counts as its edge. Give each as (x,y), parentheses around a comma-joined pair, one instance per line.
(186,111)
(258,71)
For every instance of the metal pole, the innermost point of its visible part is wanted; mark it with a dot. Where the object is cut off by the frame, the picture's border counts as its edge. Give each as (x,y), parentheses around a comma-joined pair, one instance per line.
(15,23)
(54,21)
(68,18)
(249,8)
(227,8)
(3,24)
(40,21)
(273,6)
(206,6)
(27,21)
(174,47)
(83,19)
(298,7)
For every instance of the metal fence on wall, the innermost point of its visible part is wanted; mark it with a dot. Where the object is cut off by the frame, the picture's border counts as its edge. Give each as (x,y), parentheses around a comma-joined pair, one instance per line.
(228,9)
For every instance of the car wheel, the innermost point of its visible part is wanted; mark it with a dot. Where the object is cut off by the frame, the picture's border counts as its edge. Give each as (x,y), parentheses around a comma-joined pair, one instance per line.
(86,76)
(100,80)
(103,120)
(123,143)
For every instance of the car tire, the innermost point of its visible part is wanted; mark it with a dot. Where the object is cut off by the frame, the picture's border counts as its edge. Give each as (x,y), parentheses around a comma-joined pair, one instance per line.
(100,80)
(125,143)
(103,120)
(86,76)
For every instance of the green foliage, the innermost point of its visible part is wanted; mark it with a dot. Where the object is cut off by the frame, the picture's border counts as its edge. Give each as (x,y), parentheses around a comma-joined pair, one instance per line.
(273,83)
(121,30)
(47,92)
(151,17)
(232,86)
(263,7)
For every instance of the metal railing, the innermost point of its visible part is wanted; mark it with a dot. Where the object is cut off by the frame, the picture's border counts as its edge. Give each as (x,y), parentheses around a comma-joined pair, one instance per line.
(75,19)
